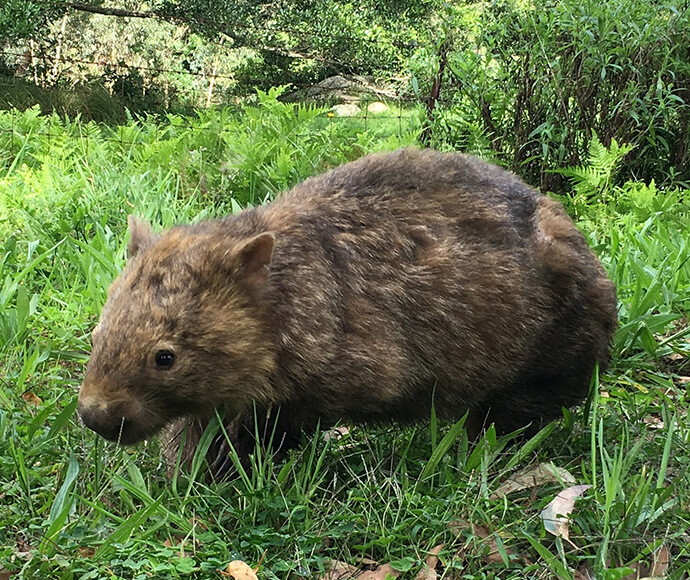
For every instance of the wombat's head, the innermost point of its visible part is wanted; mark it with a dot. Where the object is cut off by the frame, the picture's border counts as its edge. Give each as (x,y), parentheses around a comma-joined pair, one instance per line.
(184,331)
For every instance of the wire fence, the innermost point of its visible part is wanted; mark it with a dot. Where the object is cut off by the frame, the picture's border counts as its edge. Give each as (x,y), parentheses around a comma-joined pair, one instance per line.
(396,120)
(94,79)
(44,71)
(12,125)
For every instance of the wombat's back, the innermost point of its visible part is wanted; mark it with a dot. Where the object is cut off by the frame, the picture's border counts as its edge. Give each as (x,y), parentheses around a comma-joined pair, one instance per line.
(415,275)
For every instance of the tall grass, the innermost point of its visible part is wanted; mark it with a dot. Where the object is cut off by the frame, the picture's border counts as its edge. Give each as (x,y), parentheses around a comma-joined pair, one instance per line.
(73,506)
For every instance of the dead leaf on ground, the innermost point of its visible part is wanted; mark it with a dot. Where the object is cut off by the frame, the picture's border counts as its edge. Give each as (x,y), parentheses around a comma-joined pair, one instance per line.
(533,477)
(555,515)
(23,549)
(432,556)
(338,570)
(428,571)
(653,421)
(182,541)
(86,551)
(583,573)
(662,560)
(381,573)
(488,540)
(683,380)
(32,399)
(639,571)
(658,569)
(239,570)
(7,574)
(368,562)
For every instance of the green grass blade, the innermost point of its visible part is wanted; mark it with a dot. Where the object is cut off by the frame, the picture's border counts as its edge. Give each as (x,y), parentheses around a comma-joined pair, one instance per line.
(443,446)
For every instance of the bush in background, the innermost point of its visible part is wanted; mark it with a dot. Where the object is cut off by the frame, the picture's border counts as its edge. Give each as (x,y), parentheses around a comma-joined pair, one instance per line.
(530,83)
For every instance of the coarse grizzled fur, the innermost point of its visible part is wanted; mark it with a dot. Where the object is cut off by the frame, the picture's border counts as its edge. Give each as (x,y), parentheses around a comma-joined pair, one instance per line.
(370,293)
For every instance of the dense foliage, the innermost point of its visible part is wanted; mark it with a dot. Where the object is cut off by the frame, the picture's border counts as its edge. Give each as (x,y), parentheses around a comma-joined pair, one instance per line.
(360,37)
(291,41)
(532,83)
(526,83)
(26,18)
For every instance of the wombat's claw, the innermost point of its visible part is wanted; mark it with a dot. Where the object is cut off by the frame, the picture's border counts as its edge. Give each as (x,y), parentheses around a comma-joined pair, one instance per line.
(222,463)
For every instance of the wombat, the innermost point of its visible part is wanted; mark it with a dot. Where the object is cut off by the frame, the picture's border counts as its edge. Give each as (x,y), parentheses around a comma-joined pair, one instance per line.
(371,293)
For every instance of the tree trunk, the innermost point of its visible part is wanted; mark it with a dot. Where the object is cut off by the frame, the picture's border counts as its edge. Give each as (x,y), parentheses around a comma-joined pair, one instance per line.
(58,50)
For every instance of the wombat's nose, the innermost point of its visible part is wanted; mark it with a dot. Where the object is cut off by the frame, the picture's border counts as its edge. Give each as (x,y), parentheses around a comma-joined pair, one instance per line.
(106,420)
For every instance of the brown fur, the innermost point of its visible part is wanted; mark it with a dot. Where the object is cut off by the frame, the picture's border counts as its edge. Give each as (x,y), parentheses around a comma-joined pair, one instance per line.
(370,293)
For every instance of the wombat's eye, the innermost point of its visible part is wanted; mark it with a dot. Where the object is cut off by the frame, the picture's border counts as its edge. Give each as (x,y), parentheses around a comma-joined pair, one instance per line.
(165,359)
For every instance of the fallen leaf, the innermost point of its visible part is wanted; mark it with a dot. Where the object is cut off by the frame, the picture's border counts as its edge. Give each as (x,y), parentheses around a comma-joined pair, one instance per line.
(662,560)
(658,569)
(86,551)
(432,556)
(488,540)
(428,571)
(6,574)
(368,562)
(23,548)
(533,477)
(638,571)
(555,515)
(381,573)
(32,399)
(181,541)
(458,526)
(684,380)
(583,573)
(238,570)
(338,570)
(675,356)
(653,422)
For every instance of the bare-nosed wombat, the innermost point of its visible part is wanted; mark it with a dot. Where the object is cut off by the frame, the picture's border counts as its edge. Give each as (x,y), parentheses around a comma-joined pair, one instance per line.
(370,293)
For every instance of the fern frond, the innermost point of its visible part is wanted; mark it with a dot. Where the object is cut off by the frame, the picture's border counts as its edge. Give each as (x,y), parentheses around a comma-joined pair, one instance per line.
(593,180)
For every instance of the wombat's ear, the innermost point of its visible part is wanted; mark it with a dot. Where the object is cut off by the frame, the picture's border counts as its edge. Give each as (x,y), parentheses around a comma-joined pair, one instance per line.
(140,235)
(254,257)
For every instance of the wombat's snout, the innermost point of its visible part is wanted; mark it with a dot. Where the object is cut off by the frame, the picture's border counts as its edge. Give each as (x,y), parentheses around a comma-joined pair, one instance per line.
(110,420)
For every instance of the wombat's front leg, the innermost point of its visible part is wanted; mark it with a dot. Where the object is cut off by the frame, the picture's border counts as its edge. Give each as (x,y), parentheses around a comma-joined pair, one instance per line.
(272,428)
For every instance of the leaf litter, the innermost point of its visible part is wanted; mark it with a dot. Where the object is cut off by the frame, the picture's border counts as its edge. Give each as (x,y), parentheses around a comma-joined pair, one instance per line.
(533,477)
(555,515)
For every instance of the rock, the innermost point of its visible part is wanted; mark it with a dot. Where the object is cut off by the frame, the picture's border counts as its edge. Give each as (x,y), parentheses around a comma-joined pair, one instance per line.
(377,107)
(348,110)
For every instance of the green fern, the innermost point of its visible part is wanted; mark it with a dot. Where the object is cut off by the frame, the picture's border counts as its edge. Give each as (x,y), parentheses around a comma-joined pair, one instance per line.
(592,181)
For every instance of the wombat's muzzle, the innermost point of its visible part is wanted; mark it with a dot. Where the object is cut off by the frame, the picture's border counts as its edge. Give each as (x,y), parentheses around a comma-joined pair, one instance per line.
(110,422)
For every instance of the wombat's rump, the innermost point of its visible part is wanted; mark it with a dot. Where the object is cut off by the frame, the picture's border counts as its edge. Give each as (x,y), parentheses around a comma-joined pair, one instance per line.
(370,293)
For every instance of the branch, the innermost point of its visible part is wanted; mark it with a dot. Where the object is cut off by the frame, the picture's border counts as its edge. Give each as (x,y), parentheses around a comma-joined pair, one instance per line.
(177,19)
(110,11)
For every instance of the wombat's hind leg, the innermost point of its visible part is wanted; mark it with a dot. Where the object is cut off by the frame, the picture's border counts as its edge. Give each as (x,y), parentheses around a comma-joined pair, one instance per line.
(532,404)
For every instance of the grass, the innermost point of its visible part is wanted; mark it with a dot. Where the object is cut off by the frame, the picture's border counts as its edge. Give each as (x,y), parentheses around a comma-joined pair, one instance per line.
(74,506)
